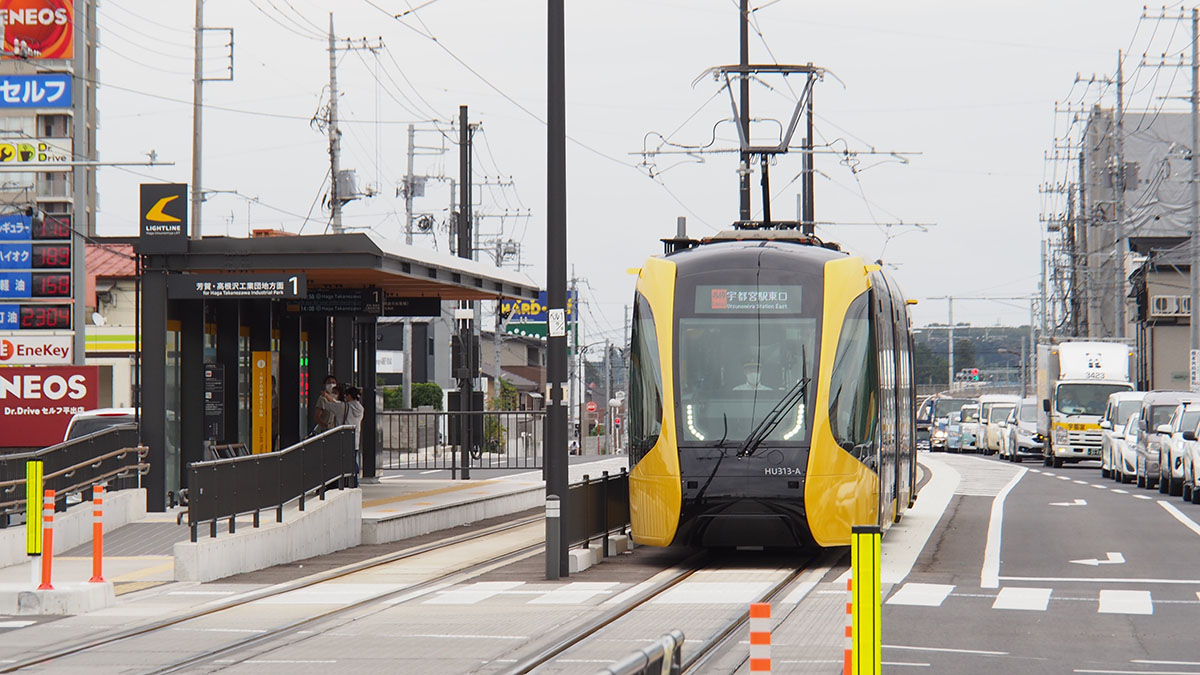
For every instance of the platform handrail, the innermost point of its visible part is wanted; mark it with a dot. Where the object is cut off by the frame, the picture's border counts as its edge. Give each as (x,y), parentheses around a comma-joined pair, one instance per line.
(662,657)
(235,486)
(597,507)
(110,456)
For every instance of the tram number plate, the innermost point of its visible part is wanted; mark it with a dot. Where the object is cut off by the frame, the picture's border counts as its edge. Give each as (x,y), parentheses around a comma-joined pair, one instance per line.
(782,471)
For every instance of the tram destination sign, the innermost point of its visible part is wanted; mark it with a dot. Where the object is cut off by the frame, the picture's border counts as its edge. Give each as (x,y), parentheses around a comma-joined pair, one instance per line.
(775,299)
(364,302)
(268,286)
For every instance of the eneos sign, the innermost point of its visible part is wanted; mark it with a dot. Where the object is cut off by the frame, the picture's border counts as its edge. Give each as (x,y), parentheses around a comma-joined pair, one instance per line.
(45,28)
(37,403)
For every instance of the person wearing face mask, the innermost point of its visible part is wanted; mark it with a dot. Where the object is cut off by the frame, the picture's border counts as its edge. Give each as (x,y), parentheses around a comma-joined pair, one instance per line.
(324,415)
(753,379)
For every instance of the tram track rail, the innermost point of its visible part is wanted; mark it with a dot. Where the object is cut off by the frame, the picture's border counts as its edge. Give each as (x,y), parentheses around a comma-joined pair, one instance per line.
(151,627)
(696,657)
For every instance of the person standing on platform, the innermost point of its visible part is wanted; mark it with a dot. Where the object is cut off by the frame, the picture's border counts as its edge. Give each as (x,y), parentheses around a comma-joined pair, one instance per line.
(323,417)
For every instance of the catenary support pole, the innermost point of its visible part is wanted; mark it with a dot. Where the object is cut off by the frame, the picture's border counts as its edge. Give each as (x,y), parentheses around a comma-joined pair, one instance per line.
(744,109)
(950,343)
(1195,234)
(197,119)
(335,141)
(556,265)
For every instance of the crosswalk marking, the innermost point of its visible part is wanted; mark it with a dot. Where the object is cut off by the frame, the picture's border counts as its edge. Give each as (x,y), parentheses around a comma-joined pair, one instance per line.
(1029,599)
(921,595)
(574,593)
(1125,602)
(17,623)
(802,589)
(706,592)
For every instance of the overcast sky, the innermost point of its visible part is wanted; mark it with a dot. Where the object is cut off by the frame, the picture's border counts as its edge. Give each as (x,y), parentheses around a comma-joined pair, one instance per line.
(970,86)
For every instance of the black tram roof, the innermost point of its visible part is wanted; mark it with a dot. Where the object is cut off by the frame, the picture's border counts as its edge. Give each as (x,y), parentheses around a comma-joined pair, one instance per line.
(741,252)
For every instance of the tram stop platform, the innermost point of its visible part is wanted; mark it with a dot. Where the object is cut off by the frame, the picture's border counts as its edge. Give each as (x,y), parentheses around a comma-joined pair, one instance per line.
(144,550)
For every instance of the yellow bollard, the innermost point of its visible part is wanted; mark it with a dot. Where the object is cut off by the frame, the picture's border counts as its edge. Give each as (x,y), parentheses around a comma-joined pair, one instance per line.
(33,507)
(867,599)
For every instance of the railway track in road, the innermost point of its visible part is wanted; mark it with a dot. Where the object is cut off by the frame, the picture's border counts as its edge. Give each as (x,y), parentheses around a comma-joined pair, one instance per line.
(696,657)
(129,636)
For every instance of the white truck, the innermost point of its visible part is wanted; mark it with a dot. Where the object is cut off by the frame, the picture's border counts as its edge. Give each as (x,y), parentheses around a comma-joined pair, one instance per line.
(1074,379)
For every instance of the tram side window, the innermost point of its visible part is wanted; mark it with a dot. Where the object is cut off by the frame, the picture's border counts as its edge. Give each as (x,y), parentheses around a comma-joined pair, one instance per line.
(645,382)
(853,385)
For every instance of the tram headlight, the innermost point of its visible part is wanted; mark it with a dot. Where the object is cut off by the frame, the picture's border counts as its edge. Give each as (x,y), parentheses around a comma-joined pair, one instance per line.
(690,417)
(799,423)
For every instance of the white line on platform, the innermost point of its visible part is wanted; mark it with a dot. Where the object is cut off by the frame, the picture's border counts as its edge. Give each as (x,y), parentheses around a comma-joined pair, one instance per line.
(989,575)
(223,630)
(1029,599)
(286,661)
(800,592)
(1126,602)
(16,624)
(947,650)
(449,636)
(1179,515)
(1118,580)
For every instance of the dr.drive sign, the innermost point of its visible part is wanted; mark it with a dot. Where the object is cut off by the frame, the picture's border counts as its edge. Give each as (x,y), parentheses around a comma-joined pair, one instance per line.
(37,403)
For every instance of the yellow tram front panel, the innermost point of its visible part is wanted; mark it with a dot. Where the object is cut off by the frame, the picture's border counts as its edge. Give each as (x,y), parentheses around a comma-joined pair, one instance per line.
(655,492)
(839,490)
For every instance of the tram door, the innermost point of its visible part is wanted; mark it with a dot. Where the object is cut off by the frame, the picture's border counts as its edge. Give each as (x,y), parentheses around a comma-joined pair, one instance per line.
(905,402)
(886,362)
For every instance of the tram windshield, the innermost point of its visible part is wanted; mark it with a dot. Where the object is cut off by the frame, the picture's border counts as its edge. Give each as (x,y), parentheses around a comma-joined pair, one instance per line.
(734,371)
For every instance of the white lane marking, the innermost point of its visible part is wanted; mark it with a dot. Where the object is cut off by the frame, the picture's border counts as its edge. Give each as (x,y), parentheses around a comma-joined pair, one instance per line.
(473,593)
(989,575)
(1050,475)
(1081,482)
(1165,663)
(1142,497)
(902,663)
(1028,599)
(1114,558)
(452,636)
(16,624)
(1120,491)
(330,594)
(653,581)
(1077,502)
(713,592)
(799,593)
(401,599)
(1179,515)
(947,650)
(426,473)
(1100,487)
(907,539)
(574,593)
(1119,580)
(1137,672)
(1063,477)
(921,595)
(1125,602)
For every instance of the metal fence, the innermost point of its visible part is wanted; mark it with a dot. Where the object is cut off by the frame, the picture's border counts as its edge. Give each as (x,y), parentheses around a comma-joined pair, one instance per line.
(498,439)
(597,507)
(227,488)
(110,456)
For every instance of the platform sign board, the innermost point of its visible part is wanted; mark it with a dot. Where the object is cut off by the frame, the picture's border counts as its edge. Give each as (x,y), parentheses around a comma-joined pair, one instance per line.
(260,402)
(214,401)
(282,285)
(51,90)
(393,306)
(162,223)
(37,403)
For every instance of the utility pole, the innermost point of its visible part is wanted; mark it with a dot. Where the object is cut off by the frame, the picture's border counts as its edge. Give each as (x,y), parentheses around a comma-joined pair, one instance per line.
(465,313)
(335,137)
(809,218)
(1029,361)
(950,341)
(197,118)
(556,285)
(744,111)
(406,382)
(573,398)
(1119,187)
(608,409)
(1195,234)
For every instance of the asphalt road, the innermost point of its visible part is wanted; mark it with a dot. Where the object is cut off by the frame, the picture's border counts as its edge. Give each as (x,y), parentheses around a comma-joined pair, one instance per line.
(1050,571)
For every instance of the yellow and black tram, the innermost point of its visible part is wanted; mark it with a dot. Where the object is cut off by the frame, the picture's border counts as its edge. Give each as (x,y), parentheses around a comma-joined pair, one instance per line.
(771,398)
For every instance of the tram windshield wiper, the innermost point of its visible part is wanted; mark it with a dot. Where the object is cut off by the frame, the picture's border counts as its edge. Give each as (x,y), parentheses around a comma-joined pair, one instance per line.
(725,433)
(798,392)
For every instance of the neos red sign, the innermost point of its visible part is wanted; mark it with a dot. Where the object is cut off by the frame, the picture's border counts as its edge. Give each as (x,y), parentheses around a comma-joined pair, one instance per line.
(44,27)
(37,403)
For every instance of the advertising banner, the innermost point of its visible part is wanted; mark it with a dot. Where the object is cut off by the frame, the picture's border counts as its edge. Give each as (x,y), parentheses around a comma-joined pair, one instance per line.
(42,154)
(38,29)
(35,91)
(528,317)
(29,349)
(37,403)
(162,224)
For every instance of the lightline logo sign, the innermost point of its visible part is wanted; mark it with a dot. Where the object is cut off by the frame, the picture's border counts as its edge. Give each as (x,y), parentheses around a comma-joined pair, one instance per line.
(35,350)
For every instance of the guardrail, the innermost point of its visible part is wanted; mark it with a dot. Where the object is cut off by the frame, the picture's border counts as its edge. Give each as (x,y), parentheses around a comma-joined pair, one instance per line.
(662,657)
(596,507)
(227,488)
(499,439)
(110,456)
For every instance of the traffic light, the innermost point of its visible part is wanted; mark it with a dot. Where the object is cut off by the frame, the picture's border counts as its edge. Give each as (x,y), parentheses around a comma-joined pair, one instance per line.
(974,374)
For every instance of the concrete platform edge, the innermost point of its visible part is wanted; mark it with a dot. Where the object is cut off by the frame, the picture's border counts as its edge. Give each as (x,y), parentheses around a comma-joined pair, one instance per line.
(324,527)
(405,525)
(65,599)
(74,526)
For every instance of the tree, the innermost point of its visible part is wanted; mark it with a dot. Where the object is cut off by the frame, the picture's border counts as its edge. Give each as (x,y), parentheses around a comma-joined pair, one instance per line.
(964,353)
(427,393)
(504,399)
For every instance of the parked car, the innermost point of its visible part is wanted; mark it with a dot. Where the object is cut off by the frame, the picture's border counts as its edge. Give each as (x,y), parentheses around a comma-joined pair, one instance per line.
(1157,408)
(91,421)
(989,442)
(1170,452)
(1121,406)
(1021,439)
(969,428)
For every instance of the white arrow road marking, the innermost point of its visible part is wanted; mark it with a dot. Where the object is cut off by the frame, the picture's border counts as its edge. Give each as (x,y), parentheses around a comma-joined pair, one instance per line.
(1077,502)
(1113,559)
